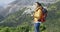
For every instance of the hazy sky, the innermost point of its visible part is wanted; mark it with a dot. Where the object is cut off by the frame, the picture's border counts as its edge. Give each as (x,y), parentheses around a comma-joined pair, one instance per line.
(3,2)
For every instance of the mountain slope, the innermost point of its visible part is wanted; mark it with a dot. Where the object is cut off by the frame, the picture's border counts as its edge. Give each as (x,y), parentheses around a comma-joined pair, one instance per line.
(16,5)
(15,20)
(52,23)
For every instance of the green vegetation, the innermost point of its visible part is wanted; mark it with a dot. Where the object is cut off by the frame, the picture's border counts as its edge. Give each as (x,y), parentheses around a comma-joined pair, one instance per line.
(17,23)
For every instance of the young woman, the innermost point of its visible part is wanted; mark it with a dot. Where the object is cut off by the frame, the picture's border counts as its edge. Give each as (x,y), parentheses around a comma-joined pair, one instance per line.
(37,15)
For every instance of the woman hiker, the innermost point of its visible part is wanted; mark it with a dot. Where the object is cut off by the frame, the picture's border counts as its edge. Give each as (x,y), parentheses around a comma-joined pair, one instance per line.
(39,16)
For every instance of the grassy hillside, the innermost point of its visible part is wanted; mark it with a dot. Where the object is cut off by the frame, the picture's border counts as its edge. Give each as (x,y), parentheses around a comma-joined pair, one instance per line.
(17,23)
(53,18)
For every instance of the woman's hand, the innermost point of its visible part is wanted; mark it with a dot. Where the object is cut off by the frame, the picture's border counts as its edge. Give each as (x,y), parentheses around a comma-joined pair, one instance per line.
(31,14)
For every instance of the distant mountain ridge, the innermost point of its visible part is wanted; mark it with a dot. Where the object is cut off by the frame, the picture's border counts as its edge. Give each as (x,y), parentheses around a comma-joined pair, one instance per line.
(16,5)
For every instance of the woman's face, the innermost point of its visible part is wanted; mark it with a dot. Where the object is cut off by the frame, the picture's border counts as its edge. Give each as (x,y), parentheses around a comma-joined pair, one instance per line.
(36,4)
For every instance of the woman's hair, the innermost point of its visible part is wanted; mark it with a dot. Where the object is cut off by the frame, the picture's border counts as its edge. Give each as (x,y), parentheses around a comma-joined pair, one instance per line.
(39,4)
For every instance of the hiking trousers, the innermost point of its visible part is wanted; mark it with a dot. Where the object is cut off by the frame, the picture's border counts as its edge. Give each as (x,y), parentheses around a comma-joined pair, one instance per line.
(36,27)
